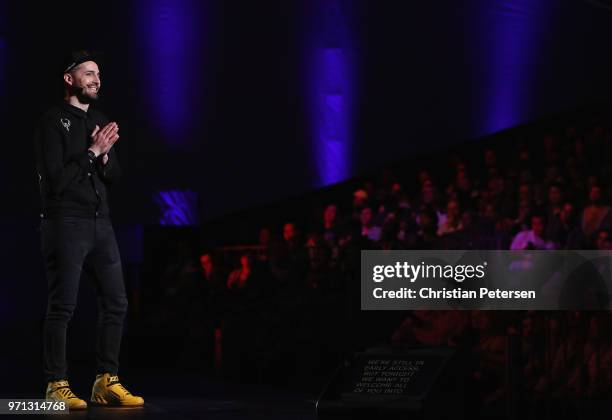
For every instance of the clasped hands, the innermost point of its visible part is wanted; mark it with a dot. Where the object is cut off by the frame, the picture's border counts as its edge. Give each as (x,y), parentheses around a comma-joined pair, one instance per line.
(103,139)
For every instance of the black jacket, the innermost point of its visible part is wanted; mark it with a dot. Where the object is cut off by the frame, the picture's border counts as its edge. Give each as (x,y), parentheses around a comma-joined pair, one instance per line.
(70,183)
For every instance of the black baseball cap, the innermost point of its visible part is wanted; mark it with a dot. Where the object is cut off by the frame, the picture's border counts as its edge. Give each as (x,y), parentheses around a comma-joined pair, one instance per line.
(75,58)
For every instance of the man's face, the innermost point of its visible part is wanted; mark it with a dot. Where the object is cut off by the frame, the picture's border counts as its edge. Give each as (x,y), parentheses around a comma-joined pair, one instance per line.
(264,236)
(84,82)
(463,181)
(244,260)
(554,195)
(595,194)
(524,192)
(288,231)
(567,213)
(366,216)
(452,210)
(330,213)
(428,192)
(602,238)
(537,225)
(206,262)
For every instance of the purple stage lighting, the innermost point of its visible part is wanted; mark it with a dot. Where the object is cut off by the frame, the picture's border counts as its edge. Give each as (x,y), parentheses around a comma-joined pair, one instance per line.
(329,66)
(509,33)
(171,38)
(178,208)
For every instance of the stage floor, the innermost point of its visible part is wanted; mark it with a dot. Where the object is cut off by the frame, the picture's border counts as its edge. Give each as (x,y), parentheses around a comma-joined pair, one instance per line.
(206,408)
(176,395)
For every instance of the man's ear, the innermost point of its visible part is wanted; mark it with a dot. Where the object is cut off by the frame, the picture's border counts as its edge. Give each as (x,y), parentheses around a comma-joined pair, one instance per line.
(68,79)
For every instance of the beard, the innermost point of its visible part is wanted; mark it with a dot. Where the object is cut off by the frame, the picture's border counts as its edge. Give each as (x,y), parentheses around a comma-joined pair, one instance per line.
(84,96)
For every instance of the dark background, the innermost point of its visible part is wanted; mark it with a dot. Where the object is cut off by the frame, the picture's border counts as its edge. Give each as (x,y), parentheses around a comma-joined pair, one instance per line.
(424,75)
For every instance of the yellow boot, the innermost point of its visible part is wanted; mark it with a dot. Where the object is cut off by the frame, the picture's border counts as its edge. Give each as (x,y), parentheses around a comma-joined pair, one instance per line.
(60,391)
(108,391)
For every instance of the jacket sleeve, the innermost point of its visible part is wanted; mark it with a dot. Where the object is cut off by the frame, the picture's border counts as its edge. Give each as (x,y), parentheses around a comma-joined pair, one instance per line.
(111,172)
(59,172)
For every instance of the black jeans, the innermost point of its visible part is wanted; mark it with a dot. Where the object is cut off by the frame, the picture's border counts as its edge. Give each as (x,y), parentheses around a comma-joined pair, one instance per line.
(69,246)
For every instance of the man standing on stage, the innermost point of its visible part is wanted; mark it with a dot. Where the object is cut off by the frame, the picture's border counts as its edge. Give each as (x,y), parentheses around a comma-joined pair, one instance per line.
(76,162)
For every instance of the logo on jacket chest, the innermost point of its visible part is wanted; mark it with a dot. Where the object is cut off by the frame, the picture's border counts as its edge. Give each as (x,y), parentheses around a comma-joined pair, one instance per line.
(66,123)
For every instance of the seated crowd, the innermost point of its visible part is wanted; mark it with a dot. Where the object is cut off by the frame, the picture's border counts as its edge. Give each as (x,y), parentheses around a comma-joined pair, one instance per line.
(540,189)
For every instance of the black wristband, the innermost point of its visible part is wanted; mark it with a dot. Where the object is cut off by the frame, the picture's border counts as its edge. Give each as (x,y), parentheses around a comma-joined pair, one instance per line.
(91,154)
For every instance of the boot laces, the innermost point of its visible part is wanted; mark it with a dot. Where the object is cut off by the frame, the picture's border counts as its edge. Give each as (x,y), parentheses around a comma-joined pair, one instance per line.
(114,380)
(66,393)
(63,390)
